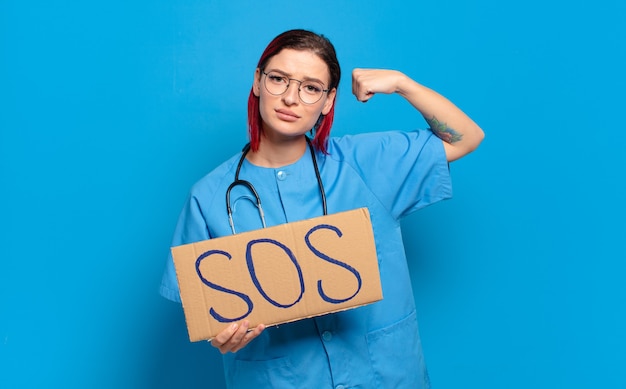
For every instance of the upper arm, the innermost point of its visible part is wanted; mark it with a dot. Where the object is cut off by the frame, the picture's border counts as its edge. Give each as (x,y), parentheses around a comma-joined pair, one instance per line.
(457,151)
(457,143)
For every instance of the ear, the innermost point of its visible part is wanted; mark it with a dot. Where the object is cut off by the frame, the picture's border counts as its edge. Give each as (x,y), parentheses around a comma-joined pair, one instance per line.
(256,84)
(330,99)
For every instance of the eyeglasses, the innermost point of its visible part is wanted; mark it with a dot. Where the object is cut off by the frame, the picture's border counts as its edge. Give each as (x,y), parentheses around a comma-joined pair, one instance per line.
(309,91)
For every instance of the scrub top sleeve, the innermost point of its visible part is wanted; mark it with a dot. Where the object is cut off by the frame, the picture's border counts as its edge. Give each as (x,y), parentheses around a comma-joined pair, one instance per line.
(191,228)
(406,171)
(427,174)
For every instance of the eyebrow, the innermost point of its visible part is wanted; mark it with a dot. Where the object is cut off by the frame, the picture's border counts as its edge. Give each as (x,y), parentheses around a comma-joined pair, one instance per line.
(289,75)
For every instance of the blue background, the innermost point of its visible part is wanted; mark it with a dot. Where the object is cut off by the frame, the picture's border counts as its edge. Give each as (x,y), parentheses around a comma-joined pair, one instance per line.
(111,110)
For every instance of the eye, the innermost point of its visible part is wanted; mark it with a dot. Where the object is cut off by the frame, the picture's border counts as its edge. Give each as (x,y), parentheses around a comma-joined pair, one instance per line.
(312,88)
(277,78)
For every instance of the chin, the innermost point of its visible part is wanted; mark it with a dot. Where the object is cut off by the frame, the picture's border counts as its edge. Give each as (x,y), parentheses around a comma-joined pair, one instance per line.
(286,132)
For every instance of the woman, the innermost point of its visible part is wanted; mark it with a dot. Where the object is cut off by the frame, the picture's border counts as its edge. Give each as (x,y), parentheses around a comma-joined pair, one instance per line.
(391,173)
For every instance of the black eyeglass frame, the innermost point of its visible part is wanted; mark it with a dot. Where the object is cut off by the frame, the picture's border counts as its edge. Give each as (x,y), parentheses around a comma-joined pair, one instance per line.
(289,84)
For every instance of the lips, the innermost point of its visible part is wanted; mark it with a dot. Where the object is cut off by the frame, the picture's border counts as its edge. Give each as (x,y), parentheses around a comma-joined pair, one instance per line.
(286,115)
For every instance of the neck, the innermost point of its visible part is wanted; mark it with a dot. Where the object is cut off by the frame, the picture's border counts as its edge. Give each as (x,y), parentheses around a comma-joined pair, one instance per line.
(277,154)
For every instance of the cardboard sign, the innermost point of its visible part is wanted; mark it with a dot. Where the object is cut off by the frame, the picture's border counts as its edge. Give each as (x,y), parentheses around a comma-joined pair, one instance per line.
(279,274)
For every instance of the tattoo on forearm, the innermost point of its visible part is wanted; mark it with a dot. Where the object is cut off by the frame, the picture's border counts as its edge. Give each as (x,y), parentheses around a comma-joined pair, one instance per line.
(442,130)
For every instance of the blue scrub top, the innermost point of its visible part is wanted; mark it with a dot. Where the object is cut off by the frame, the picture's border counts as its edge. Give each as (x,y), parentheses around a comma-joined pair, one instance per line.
(376,346)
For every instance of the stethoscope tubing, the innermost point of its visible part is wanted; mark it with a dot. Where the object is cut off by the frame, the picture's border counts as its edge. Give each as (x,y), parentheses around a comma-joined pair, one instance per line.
(252,190)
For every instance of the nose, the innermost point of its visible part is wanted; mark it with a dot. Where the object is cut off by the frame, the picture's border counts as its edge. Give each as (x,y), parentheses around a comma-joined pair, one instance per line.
(290,97)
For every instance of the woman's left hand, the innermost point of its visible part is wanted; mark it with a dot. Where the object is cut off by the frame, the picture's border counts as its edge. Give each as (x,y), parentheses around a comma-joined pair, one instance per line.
(367,82)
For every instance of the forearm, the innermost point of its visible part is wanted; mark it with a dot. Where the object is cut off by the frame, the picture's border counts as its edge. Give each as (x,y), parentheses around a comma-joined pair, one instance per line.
(459,132)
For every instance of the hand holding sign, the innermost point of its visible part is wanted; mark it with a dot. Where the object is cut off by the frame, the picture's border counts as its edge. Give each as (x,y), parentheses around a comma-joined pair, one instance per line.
(236,336)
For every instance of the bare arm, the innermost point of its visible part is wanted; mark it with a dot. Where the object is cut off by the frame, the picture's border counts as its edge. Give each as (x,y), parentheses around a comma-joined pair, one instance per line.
(459,133)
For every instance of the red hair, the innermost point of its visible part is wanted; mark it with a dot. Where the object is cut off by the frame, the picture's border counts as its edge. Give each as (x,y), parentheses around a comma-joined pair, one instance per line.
(297,40)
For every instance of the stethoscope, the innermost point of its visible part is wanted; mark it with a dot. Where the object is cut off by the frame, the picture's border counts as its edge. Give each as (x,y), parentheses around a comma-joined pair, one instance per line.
(250,187)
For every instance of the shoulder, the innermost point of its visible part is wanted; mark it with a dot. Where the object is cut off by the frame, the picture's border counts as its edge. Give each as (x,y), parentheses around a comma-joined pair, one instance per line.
(387,143)
(221,175)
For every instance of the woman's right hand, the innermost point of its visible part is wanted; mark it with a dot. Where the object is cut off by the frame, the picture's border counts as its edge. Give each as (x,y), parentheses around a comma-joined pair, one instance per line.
(236,336)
